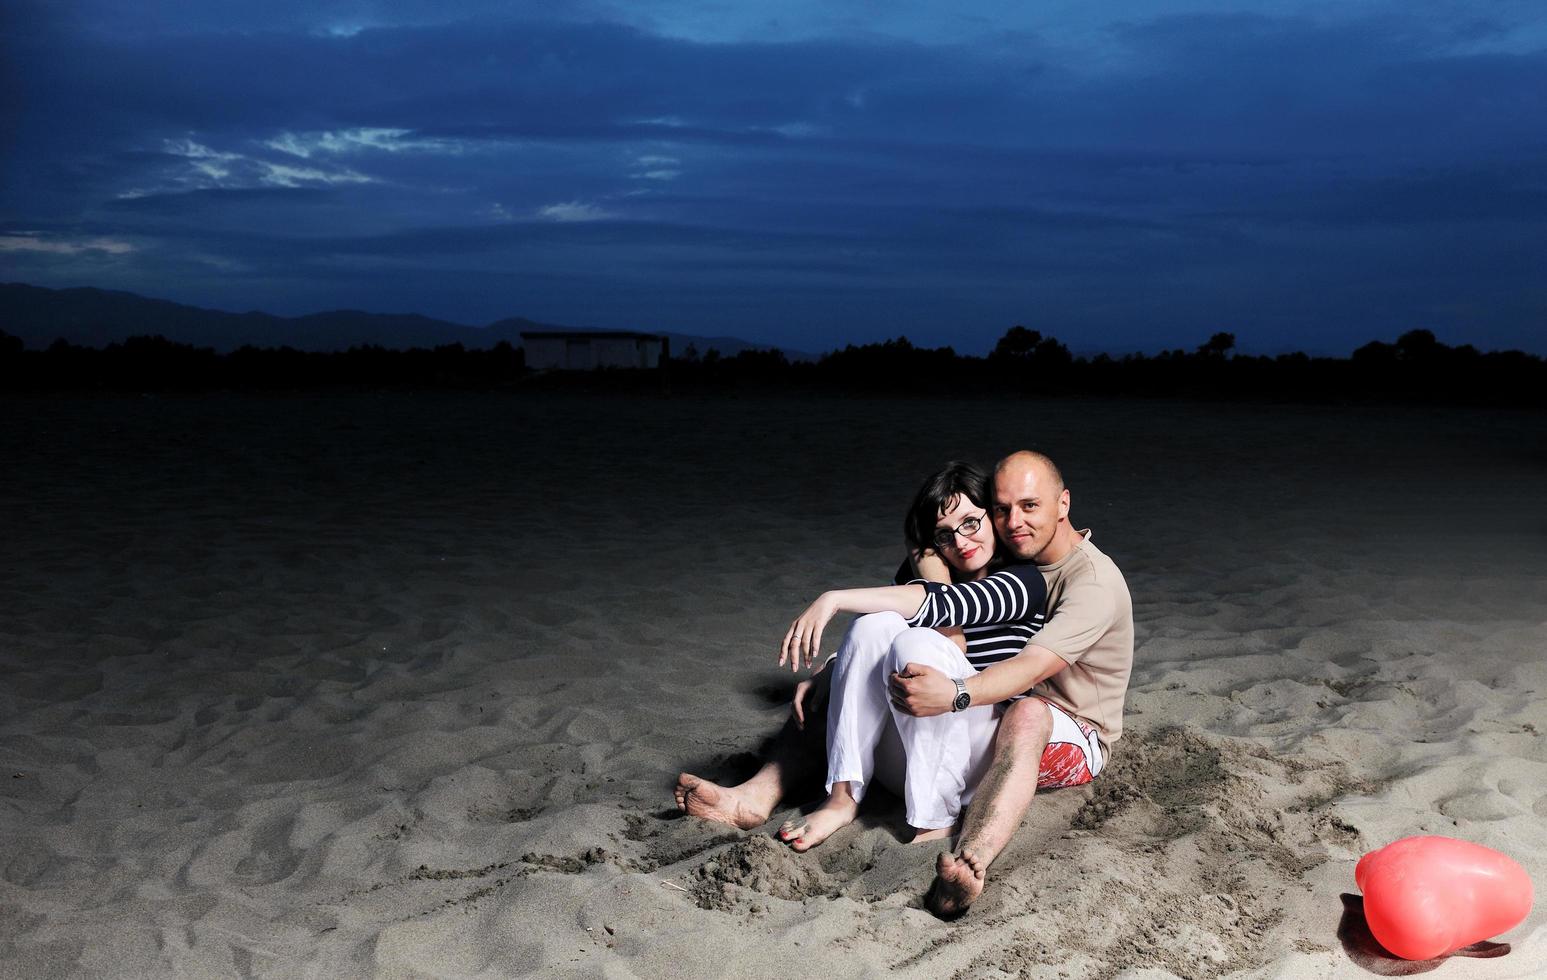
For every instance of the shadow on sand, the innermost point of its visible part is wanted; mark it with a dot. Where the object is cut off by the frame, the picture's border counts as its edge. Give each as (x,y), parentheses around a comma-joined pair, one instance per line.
(1364,950)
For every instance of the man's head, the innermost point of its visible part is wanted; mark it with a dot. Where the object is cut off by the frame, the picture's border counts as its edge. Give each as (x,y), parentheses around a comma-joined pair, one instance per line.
(1031,507)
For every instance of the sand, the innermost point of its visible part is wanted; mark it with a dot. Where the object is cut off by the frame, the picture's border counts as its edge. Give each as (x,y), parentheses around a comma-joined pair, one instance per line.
(397,684)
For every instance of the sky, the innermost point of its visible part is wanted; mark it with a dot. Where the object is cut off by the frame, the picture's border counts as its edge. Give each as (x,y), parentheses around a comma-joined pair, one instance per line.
(1124,176)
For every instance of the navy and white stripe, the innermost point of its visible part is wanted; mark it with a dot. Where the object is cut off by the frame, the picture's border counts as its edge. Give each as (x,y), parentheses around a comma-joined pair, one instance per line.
(998,615)
(1001,641)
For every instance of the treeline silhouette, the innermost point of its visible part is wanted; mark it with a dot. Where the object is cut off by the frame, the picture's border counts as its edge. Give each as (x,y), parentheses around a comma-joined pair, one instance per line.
(1416,368)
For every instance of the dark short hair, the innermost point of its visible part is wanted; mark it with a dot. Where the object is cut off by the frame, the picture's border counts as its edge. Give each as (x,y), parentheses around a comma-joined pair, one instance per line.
(939,494)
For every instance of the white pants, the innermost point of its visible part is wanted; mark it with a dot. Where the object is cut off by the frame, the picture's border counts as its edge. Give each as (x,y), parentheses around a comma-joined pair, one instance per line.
(940,759)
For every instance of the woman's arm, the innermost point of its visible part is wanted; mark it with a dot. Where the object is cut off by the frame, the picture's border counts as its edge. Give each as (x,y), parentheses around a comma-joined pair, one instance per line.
(928,565)
(803,640)
(1014,593)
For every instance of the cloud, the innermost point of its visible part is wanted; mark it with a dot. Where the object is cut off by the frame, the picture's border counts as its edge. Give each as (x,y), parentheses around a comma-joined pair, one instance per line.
(574,211)
(359,140)
(283,175)
(203,168)
(655,167)
(24,242)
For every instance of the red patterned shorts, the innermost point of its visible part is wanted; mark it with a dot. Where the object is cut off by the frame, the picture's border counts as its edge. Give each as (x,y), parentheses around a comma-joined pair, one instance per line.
(1073,754)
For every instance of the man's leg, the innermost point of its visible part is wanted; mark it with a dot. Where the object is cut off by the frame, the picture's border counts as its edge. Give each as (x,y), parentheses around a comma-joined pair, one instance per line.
(1000,802)
(793,761)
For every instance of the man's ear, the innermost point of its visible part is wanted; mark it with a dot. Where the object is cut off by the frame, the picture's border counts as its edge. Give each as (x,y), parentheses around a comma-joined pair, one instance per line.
(1063,505)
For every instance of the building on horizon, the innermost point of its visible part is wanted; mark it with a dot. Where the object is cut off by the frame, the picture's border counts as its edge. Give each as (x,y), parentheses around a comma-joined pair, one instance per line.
(587,350)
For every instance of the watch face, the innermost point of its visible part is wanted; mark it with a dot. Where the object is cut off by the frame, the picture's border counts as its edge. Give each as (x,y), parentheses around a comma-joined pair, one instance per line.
(962,700)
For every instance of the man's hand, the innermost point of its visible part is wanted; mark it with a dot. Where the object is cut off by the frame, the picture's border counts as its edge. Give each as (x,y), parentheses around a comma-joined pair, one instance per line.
(921,691)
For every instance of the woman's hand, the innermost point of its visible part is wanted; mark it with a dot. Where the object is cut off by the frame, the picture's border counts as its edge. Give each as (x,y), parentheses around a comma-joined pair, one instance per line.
(802,691)
(804,639)
(928,564)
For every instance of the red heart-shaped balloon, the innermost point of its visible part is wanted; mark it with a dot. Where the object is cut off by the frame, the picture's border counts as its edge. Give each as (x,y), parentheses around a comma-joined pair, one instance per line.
(1428,896)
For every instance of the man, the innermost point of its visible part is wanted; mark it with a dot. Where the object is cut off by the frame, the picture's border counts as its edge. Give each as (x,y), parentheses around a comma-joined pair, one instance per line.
(1078,663)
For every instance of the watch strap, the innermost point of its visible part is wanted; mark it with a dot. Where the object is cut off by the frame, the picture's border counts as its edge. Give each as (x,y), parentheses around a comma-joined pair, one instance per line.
(962,700)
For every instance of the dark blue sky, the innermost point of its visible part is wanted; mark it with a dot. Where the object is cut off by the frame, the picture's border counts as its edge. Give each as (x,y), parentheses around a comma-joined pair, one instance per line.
(1122,175)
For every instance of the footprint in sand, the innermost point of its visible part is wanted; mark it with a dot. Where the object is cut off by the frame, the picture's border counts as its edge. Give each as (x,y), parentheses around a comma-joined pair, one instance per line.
(1483,804)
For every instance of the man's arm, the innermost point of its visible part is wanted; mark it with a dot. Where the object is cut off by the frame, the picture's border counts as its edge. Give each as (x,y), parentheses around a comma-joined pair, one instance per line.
(1084,613)
(926,691)
(1002,681)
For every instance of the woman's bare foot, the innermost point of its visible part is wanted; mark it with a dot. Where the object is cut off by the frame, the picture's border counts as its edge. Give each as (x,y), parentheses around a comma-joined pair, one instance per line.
(939,833)
(958,883)
(737,806)
(804,833)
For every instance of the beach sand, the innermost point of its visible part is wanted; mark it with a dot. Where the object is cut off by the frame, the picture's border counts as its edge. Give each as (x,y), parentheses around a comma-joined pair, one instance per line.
(398,684)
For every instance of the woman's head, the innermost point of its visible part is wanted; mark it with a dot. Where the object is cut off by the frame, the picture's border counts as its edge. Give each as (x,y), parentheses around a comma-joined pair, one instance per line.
(950,516)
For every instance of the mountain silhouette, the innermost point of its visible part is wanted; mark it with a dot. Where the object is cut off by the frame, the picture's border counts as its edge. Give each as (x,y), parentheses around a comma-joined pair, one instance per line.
(90,317)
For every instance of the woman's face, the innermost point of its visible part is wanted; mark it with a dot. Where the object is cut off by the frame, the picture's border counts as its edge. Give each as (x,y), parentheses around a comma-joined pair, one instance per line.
(964,537)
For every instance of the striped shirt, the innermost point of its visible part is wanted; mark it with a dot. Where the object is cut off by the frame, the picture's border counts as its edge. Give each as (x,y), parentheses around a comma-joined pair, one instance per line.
(998,615)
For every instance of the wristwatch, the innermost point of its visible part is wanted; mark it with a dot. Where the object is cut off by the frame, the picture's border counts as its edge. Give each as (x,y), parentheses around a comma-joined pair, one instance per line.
(963,699)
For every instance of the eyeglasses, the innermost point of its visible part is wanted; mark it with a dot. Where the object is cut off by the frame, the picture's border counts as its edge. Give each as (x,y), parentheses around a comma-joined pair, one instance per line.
(966,529)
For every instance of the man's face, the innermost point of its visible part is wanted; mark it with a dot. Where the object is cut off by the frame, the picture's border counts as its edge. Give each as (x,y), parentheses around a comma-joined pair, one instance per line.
(1027,508)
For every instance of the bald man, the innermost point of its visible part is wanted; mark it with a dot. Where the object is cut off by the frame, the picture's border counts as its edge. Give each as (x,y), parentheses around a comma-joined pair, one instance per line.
(1076,669)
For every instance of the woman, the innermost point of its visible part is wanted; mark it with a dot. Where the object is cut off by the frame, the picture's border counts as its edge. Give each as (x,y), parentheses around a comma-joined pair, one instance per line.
(985,614)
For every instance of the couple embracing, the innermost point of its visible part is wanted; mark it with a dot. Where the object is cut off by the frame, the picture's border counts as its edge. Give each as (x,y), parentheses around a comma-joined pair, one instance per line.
(997,666)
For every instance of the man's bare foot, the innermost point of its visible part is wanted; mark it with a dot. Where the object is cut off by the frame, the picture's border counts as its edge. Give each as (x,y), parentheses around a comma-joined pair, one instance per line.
(940,833)
(721,804)
(958,883)
(804,833)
